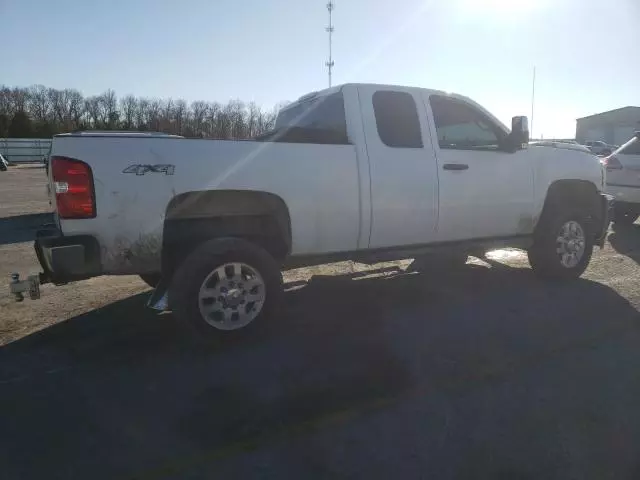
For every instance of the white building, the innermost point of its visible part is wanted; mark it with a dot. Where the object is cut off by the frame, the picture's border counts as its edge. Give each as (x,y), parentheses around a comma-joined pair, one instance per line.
(614,127)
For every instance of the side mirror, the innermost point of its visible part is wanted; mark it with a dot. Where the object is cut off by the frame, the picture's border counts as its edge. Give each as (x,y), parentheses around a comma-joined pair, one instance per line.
(520,130)
(519,135)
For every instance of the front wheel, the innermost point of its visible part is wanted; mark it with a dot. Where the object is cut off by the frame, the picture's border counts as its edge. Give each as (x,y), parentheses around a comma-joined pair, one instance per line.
(225,285)
(562,246)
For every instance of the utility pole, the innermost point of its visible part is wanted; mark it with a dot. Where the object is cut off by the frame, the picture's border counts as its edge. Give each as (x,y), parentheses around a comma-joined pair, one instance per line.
(533,98)
(329,29)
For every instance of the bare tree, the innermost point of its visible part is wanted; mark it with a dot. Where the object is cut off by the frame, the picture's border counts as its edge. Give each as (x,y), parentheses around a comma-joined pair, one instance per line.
(179,113)
(50,111)
(199,111)
(75,110)
(153,115)
(20,97)
(92,107)
(140,114)
(166,120)
(128,106)
(57,108)
(39,104)
(108,109)
(213,110)
(6,104)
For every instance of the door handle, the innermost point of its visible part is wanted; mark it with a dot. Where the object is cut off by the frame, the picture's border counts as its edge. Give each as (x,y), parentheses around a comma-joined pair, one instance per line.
(455,166)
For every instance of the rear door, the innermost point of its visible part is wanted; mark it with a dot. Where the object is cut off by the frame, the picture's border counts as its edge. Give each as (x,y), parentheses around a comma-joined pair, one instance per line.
(485,191)
(403,171)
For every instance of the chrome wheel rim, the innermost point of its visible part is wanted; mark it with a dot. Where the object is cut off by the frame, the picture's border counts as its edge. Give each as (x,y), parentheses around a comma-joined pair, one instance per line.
(231,296)
(571,243)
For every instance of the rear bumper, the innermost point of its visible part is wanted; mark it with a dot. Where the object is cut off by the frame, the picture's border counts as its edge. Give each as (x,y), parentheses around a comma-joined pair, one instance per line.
(66,259)
(606,211)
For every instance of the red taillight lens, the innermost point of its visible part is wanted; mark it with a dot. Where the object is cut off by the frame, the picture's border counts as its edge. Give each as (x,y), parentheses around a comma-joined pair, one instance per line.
(612,163)
(73,186)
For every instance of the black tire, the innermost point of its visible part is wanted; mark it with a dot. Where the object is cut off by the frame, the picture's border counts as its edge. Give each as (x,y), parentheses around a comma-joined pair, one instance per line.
(624,217)
(197,266)
(543,255)
(151,279)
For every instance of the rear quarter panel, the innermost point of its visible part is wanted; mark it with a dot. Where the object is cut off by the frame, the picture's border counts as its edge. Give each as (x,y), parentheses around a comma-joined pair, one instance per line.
(318,183)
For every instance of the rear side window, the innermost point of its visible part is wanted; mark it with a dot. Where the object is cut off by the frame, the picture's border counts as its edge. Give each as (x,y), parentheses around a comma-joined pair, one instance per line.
(316,120)
(397,119)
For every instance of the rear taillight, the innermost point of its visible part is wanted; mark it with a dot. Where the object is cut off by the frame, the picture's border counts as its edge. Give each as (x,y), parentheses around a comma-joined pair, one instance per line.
(73,186)
(612,163)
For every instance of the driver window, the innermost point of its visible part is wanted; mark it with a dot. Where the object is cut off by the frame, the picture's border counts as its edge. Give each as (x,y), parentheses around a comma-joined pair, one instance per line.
(460,126)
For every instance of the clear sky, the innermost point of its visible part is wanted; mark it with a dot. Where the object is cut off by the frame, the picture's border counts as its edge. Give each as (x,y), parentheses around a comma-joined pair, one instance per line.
(586,51)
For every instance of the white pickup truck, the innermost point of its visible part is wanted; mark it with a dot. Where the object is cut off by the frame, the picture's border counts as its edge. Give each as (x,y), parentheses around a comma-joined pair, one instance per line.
(362,172)
(623,181)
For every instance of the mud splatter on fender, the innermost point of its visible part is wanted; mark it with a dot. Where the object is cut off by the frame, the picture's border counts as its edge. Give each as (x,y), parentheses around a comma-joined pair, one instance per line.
(133,257)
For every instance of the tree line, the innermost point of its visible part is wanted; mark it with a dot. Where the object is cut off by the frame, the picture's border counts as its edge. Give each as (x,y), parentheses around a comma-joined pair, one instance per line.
(40,112)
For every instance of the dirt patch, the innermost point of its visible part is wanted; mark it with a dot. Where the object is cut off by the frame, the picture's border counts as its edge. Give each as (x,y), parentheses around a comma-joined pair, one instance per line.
(141,255)
(23,190)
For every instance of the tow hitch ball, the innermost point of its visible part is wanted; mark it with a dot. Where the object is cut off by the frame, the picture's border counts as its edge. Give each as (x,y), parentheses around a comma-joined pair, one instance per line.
(18,287)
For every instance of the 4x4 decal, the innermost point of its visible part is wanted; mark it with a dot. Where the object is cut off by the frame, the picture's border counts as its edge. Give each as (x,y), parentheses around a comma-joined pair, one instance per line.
(142,169)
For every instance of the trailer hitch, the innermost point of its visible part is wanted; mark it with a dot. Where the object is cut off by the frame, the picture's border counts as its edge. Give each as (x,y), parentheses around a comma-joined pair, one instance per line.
(17,287)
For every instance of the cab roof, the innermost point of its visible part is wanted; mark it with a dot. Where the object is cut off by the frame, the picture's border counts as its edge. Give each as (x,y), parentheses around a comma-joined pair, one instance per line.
(337,88)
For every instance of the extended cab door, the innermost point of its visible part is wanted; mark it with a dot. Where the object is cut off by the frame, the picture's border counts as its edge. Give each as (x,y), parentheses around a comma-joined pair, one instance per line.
(485,191)
(403,170)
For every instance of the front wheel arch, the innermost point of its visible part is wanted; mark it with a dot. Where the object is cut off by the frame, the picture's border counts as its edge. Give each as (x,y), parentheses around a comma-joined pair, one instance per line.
(572,194)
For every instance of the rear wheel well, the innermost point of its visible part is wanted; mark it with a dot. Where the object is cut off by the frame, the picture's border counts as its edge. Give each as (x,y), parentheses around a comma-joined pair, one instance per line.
(196,217)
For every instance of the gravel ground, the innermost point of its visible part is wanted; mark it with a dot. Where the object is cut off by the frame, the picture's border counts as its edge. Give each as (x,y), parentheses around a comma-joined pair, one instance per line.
(478,372)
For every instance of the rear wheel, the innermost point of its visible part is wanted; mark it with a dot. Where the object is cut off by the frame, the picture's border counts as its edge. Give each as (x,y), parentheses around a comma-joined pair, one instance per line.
(225,285)
(562,245)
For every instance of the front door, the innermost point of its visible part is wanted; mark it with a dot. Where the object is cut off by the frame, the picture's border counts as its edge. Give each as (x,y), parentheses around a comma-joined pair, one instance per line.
(403,170)
(485,191)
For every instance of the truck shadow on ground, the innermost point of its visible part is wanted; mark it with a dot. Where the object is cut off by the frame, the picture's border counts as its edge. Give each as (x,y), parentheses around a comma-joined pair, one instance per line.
(140,387)
(22,228)
(626,241)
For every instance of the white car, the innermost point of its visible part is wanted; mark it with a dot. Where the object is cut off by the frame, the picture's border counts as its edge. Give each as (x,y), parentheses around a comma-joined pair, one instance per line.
(358,172)
(562,144)
(3,164)
(599,147)
(623,181)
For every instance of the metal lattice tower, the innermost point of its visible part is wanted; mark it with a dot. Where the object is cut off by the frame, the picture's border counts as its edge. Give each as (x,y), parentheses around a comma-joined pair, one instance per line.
(329,29)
